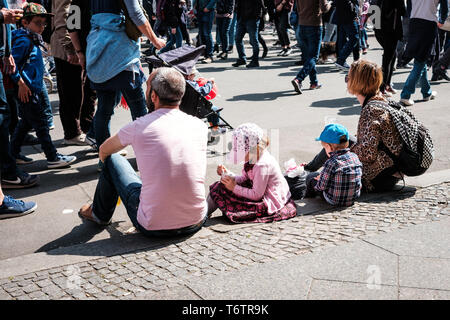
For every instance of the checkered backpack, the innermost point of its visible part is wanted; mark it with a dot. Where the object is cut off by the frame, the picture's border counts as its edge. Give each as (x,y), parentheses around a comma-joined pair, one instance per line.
(418,151)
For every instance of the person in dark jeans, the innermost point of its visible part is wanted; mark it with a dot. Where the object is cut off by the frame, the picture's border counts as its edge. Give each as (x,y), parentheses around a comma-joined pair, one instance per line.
(205,17)
(388,35)
(76,114)
(172,18)
(348,30)
(249,13)
(29,79)
(224,16)
(11,176)
(310,41)
(283,8)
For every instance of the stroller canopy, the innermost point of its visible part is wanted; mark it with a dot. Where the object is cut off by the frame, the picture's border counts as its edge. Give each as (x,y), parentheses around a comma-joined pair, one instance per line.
(183,59)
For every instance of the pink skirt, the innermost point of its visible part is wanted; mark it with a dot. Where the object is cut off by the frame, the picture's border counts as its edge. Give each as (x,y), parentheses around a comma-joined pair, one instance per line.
(242,210)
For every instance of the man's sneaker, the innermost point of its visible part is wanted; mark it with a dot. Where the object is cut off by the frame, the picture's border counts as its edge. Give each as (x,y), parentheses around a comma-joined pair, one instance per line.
(281,52)
(315,86)
(297,86)
(30,140)
(51,126)
(21,181)
(253,64)
(287,52)
(21,159)
(208,60)
(344,67)
(407,102)
(391,89)
(61,161)
(77,141)
(91,142)
(11,208)
(432,96)
(239,62)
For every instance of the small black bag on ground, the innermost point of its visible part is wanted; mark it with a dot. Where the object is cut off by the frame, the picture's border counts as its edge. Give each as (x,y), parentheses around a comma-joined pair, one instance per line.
(297,186)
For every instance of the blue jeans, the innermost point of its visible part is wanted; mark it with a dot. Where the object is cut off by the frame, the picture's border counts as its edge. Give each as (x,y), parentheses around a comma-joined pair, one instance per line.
(311,39)
(205,24)
(47,107)
(418,73)
(252,27)
(348,38)
(118,179)
(174,39)
(7,162)
(223,25)
(32,116)
(107,100)
(232,32)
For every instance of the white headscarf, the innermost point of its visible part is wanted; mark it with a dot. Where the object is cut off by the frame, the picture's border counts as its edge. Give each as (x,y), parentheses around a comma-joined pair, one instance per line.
(246,137)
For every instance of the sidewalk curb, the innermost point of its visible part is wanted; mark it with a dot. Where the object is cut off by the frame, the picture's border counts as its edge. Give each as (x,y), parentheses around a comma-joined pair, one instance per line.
(130,243)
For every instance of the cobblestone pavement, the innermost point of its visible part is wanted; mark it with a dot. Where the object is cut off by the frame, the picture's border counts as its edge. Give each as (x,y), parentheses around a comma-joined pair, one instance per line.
(137,274)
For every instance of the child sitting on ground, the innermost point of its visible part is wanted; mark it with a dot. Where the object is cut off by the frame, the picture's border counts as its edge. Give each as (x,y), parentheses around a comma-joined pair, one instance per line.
(261,193)
(339,183)
(207,88)
(29,76)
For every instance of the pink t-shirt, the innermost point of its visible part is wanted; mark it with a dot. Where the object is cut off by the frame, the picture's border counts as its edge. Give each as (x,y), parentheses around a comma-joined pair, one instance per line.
(170,149)
(269,183)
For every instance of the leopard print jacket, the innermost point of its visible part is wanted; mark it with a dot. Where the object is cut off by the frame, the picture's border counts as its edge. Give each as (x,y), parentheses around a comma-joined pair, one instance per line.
(375,126)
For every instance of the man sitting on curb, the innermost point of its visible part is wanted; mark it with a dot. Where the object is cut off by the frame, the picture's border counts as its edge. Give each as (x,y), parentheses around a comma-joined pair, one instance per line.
(170,149)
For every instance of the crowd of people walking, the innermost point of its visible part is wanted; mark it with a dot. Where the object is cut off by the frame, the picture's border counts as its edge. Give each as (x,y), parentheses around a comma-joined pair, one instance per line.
(97,61)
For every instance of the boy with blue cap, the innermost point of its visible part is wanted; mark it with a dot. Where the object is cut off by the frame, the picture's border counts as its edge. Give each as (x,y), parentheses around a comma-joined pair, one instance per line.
(339,183)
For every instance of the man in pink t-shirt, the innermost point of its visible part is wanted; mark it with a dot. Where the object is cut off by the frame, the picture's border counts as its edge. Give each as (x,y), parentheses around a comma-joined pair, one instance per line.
(170,148)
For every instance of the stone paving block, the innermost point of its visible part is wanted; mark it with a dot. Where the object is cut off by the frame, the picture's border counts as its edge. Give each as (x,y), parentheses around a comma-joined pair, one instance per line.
(276,280)
(175,293)
(353,262)
(423,294)
(335,290)
(426,273)
(425,240)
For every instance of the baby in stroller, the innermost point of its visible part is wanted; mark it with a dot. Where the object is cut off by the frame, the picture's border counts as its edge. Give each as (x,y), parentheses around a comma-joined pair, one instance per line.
(208,89)
(199,91)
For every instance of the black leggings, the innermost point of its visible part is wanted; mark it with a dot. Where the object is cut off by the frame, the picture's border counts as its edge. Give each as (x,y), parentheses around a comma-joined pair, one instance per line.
(389,42)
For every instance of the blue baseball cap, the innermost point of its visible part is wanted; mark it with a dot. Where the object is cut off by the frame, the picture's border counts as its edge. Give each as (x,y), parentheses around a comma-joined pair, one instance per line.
(333,133)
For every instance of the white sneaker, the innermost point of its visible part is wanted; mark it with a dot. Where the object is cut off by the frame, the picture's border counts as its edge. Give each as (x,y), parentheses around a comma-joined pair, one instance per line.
(431,96)
(407,102)
(61,161)
(78,141)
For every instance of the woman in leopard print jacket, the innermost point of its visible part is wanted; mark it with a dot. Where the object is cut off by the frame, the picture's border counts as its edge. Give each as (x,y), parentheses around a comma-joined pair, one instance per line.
(375,127)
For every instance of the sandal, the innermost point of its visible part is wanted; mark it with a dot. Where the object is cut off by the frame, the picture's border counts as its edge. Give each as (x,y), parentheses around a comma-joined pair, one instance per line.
(85,214)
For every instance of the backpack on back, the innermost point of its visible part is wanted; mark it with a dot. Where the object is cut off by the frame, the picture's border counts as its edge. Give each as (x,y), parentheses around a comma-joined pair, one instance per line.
(418,151)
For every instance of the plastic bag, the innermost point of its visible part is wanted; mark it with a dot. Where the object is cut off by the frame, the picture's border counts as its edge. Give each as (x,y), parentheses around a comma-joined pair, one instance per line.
(292,169)
(295,176)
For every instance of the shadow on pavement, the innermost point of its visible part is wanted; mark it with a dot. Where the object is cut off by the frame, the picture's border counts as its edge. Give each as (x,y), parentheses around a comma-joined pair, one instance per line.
(265,96)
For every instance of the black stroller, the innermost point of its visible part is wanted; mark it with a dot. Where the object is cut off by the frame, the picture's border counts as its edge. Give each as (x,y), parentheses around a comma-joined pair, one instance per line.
(193,103)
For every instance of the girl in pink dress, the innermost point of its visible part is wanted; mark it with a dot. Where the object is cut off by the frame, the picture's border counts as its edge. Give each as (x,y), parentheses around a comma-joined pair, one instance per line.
(261,193)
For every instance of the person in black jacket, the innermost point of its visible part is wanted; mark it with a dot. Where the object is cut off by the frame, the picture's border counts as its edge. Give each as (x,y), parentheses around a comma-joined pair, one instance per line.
(348,30)
(224,15)
(249,13)
(388,35)
(172,18)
